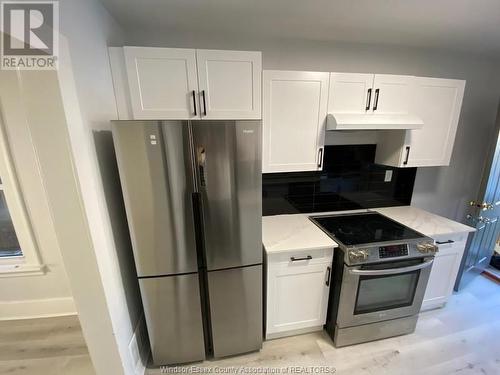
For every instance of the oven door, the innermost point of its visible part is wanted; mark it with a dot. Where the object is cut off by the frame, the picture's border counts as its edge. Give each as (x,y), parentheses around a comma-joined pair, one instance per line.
(377,292)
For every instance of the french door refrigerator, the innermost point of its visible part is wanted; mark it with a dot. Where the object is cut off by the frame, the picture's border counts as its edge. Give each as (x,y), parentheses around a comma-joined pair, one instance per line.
(192,192)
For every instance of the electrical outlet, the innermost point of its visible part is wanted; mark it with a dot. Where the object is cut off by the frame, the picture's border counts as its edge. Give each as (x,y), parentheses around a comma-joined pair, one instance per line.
(388,175)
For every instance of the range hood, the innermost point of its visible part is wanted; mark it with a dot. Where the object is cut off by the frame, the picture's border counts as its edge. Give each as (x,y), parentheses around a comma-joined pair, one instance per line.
(348,121)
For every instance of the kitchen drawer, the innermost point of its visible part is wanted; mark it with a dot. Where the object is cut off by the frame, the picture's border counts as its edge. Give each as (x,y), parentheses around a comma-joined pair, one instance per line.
(450,240)
(324,255)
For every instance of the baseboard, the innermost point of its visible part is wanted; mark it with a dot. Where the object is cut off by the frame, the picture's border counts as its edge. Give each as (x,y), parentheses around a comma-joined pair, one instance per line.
(37,308)
(139,347)
(294,332)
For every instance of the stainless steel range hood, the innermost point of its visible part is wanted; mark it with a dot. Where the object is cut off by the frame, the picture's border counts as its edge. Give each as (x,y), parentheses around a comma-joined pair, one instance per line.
(348,121)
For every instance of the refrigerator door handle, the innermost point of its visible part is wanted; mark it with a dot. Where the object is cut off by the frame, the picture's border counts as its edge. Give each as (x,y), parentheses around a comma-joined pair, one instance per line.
(201,160)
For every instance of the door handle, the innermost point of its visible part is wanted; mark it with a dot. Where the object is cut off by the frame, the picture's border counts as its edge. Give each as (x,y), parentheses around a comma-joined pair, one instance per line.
(294,259)
(375,103)
(320,157)
(204,102)
(194,103)
(368,99)
(407,155)
(392,271)
(328,272)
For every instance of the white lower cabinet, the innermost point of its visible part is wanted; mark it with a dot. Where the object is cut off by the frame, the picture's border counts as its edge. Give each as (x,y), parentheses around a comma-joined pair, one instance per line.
(444,270)
(298,285)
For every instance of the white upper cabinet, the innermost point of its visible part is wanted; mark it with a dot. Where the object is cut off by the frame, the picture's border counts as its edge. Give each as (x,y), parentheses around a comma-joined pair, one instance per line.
(392,94)
(350,93)
(385,94)
(294,115)
(438,102)
(173,83)
(163,82)
(229,84)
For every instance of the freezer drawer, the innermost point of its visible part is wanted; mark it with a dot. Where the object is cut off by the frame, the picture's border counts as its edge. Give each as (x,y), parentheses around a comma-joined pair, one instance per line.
(173,317)
(236,310)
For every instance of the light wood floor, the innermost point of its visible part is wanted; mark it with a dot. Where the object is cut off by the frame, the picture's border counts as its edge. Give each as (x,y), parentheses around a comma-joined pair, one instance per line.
(462,338)
(51,346)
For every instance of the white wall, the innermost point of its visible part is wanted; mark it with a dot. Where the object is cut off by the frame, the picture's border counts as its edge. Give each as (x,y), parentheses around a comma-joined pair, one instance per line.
(89,102)
(444,190)
(35,295)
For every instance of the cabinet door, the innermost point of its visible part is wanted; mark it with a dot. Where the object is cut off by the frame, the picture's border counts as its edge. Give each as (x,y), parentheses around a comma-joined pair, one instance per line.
(162,82)
(230,84)
(438,102)
(393,94)
(443,275)
(295,105)
(350,93)
(297,296)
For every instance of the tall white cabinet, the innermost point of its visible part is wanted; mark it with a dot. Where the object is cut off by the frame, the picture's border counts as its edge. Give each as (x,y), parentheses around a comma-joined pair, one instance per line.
(294,115)
(173,83)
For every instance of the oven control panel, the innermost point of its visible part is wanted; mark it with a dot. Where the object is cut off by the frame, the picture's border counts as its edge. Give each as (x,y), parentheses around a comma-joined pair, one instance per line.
(392,251)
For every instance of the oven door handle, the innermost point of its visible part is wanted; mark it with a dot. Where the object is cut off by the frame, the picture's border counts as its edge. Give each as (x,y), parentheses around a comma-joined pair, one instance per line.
(426,263)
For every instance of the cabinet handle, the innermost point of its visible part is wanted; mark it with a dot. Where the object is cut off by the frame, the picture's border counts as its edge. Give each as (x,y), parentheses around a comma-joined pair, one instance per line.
(204,102)
(407,155)
(293,259)
(194,102)
(368,99)
(328,272)
(375,103)
(320,158)
(444,242)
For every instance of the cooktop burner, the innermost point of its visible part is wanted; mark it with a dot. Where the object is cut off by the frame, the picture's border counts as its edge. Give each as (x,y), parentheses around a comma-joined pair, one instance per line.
(364,228)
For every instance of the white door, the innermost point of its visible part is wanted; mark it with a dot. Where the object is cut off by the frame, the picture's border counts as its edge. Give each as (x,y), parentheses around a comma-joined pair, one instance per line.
(392,94)
(350,93)
(438,103)
(297,296)
(230,84)
(162,83)
(295,108)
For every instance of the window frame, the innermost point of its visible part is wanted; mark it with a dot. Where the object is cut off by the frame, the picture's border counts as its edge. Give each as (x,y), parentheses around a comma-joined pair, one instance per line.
(30,262)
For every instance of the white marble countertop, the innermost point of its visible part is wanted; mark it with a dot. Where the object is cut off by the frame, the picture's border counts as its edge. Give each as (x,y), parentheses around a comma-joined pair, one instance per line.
(294,232)
(424,222)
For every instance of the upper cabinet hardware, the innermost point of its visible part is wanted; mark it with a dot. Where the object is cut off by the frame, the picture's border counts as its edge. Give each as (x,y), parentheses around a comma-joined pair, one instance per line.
(204,102)
(293,259)
(369,99)
(320,156)
(194,102)
(375,103)
(407,155)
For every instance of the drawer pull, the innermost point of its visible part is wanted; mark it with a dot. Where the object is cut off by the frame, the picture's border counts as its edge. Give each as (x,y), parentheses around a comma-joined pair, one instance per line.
(444,242)
(328,272)
(293,259)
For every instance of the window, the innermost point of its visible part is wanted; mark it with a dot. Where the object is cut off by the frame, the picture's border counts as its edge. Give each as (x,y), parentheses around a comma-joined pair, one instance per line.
(18,252)
(9,244)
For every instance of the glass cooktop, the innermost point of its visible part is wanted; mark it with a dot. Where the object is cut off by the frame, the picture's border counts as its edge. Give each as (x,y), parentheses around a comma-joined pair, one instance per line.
(363,228)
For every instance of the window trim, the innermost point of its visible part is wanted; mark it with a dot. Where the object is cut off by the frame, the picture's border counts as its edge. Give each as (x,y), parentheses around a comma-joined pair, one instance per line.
(30,262)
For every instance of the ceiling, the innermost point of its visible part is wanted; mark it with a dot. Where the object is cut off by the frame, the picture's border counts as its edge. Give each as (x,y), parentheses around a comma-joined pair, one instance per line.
(464,25)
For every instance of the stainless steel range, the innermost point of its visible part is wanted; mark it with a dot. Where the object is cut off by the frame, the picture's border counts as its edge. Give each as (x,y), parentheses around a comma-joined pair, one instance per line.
(380,274)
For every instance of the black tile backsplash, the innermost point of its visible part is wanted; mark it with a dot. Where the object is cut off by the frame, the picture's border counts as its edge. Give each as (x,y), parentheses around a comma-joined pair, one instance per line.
(350,179)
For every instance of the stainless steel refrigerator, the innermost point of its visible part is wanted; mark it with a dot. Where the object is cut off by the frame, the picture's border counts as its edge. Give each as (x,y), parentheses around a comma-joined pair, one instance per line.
(192,192)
